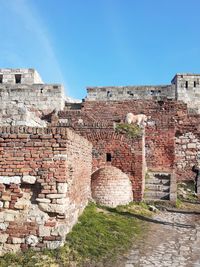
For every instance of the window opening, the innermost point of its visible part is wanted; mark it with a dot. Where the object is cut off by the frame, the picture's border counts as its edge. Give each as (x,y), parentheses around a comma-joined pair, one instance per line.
(18,78)
(108,157)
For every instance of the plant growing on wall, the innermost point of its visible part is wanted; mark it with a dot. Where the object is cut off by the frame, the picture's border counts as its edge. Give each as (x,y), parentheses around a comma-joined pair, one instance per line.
(131,130)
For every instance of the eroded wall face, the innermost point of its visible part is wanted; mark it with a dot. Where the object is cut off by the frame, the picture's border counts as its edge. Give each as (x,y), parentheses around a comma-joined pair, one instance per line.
(44,186)
(111,149)
(187,150)
(43,97)
(159,131)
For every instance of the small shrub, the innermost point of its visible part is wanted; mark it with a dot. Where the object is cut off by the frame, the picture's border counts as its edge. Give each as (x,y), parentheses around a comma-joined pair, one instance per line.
(131,130)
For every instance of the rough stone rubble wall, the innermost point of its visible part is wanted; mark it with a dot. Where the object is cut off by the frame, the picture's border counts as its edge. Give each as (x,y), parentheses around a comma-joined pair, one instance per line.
(44,185)
(187,147)
(35,97)
(12,114)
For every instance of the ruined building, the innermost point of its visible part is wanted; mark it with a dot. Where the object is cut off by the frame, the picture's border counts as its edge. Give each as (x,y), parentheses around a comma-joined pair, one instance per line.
(56,155)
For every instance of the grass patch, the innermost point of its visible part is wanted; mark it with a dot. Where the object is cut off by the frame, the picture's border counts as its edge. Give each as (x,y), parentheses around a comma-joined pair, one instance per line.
(178,203)
(101,235)
(131,130)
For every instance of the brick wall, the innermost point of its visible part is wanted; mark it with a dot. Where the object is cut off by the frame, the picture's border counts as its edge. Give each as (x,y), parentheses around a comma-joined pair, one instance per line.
(44,185)
(111,187)
(126,155)
(159,133)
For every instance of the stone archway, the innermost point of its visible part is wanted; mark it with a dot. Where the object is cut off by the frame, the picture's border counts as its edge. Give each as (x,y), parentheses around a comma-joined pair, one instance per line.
(111,187)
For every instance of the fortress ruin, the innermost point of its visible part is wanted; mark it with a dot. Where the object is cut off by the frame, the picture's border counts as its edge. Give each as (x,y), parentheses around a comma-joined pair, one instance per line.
(56,155)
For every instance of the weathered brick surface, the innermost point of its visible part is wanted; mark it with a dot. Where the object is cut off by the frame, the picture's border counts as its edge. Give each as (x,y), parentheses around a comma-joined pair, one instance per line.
(111,187)
(44,184)
(159,132)
(126,154)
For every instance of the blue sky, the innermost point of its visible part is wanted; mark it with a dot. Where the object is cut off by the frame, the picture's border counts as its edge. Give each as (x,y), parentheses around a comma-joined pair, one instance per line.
(84,43)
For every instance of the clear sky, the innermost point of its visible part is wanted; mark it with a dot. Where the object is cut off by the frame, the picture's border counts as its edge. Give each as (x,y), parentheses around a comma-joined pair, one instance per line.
(84,43)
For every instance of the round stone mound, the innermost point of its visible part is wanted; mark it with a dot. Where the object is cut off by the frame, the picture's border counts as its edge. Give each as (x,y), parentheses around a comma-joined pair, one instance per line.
(111,187)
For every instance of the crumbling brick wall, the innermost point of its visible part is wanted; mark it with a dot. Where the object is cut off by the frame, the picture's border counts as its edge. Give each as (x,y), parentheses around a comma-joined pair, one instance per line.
(126,154)
(159,132)
(44,185)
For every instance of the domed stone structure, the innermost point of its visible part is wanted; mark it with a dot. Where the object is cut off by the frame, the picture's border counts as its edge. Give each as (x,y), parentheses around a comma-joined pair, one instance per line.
(111,187)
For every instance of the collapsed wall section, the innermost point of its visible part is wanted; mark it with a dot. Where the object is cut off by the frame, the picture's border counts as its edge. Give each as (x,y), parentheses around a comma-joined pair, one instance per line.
(44,185)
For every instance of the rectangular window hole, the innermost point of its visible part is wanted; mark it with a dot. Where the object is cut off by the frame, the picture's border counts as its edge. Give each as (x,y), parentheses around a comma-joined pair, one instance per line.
(195,84)
(186,84)
(18,78)
(1,78)
(108,157)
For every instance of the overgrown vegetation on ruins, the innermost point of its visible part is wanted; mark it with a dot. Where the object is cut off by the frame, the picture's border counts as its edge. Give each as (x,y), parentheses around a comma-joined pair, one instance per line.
(131,130)
(101,235)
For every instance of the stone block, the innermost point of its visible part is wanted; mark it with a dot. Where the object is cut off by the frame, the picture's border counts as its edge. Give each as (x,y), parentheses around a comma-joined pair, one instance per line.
(44,231)
(22,204)
(32,240)
(54,244)
(6,197)
(10,180)
(62,187)
(60,230)
(6,204)
(56,208)
(28,179)
(52,196)
(43,200)
(1,204)
(14,248)
(3,226)
(192,145)
(3,238)
(17,240)
(8,217)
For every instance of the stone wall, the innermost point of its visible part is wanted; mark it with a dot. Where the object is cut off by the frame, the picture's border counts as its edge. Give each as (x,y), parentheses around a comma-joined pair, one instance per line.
(187,148)
(45,179)
(43,97)
(23,76)
(121,93)
(187,89)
